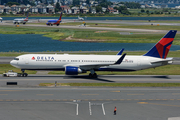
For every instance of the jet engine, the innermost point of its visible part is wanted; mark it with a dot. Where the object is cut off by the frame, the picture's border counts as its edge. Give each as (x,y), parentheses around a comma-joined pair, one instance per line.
(71,70)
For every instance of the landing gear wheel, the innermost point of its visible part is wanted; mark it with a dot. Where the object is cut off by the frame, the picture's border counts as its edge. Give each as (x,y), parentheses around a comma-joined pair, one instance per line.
(92,75)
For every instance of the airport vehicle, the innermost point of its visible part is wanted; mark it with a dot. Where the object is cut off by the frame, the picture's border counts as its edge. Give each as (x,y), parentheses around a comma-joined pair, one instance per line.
(54,22)
(80,18)
(75,64)
(82,25)
(11,73)
(21,20)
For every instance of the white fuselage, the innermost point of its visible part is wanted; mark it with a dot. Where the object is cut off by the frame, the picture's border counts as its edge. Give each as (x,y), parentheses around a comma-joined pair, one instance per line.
(85,62)
(22,20)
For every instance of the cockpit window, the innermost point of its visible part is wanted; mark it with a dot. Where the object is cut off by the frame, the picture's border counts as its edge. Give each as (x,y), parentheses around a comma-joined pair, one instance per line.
(16,58)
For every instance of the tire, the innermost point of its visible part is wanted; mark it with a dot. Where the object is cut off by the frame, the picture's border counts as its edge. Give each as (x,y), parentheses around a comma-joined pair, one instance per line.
(90,75)
(94,75)
(25,74)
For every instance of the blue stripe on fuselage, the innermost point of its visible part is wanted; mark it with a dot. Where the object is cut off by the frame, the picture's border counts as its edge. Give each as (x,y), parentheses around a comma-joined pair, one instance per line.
(51,21)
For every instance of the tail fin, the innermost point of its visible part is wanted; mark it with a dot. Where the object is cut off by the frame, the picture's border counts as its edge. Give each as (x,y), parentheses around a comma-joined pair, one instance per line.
(27,16)
(60,17)
(161,49)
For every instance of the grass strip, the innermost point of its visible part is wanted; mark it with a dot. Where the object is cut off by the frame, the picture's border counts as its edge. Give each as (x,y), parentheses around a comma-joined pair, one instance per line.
(94,35)
(114,84)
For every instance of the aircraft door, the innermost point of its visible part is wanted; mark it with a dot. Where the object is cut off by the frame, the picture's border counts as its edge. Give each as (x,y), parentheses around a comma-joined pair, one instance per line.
(26,60)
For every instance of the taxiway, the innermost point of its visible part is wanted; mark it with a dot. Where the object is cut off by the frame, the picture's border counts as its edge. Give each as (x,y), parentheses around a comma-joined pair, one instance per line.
(79,103)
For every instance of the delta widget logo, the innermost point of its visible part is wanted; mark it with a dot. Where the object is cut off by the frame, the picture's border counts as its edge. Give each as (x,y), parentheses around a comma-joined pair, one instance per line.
(33,58)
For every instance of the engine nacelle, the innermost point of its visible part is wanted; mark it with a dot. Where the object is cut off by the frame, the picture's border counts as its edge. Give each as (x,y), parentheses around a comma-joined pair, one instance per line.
(70,70)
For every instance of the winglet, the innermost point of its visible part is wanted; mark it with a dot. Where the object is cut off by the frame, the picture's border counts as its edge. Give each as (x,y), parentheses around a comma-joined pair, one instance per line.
(120,59)
(120,52)
(161,49)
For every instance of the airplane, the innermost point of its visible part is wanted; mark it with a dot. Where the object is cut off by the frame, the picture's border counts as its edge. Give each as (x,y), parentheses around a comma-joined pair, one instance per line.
(1,19)
(55,22)
(80,18)
(75,64)
(21,20)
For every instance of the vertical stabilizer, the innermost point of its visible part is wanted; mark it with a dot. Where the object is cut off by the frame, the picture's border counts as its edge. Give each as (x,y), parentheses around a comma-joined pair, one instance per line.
(60,17)
(27,16)
(161,49)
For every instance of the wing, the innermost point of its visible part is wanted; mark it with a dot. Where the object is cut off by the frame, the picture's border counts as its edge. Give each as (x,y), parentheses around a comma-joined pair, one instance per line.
(96,66)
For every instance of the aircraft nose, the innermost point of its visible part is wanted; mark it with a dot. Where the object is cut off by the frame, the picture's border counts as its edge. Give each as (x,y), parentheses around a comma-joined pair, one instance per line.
(11,62)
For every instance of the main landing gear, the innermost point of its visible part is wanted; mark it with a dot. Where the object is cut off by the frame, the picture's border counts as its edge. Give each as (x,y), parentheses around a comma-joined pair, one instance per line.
(22,74)
(92,74)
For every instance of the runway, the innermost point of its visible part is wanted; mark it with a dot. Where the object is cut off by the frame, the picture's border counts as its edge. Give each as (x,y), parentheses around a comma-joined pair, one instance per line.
(35,80)
(79,103)
(9,22)
(91,28)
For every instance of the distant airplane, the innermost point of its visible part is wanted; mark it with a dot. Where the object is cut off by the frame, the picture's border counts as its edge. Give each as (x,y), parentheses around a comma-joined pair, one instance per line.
(21,20)
(1,19)
(80,18)
(55,22)
(75,64)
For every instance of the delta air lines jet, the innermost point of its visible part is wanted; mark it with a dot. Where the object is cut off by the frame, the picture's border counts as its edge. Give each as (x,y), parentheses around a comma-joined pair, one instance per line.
(21,20)
(75,64)
(55,22)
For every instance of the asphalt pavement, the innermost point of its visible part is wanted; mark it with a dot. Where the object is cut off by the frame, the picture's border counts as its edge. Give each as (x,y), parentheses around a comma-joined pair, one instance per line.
(79,103)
